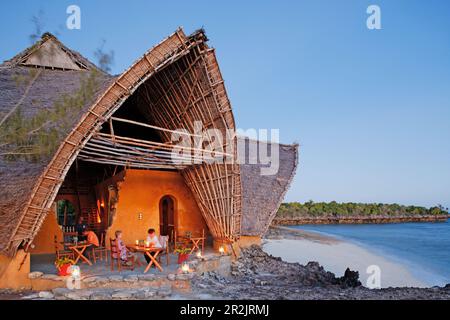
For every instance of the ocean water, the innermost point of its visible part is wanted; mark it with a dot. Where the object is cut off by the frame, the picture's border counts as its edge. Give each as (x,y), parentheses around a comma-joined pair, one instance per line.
(423,248)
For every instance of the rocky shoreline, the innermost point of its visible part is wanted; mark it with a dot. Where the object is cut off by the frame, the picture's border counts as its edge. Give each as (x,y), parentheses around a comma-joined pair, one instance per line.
(357,219)
(257,275)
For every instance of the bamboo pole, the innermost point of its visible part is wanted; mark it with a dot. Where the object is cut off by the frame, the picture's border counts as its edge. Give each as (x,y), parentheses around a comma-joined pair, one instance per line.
(153,127)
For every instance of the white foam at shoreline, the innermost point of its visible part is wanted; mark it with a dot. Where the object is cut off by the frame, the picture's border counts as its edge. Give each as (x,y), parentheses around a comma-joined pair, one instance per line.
(337,256)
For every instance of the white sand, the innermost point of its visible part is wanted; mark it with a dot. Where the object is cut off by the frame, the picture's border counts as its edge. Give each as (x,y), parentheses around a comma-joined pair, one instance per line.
(336,256)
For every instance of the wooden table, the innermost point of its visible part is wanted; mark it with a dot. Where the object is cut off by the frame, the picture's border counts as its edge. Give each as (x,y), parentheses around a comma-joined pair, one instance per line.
(147,252)
(78,249)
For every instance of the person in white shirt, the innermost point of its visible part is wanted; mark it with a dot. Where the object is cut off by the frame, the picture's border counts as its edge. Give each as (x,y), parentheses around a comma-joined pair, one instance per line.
(153,240)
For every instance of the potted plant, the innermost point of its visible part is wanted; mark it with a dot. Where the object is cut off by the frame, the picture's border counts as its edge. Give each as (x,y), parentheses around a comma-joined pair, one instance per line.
(62,265)
(183,254)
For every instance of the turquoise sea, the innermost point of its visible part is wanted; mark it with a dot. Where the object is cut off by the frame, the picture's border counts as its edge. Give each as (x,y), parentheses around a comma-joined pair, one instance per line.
(424,248)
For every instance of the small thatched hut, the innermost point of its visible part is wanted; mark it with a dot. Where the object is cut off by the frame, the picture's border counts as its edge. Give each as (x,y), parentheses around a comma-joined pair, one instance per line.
(100,146)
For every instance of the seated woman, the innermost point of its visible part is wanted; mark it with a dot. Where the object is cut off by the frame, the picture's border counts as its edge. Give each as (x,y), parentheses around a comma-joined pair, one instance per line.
(126,256)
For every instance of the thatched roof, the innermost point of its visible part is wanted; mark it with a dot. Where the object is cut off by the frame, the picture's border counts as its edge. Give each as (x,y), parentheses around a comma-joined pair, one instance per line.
(19,176)
(49,46)
(262,194)
(28,188)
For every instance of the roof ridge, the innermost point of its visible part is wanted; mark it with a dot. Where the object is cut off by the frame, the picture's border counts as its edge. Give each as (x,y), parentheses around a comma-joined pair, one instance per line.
(78,59)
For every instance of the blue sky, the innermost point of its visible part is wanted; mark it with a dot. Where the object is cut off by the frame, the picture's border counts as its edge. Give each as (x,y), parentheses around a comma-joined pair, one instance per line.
(369,108)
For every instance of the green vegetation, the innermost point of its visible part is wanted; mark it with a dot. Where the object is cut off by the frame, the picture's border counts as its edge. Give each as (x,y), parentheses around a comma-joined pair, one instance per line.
(334,209)
(32,138)
(63,261)
(66,213)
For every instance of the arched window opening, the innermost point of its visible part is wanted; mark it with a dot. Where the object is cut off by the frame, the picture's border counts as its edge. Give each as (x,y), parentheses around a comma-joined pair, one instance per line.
(65,212)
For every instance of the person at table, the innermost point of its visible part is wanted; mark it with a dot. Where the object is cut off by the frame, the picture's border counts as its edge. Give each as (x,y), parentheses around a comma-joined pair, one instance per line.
(153,240)
(126,256)
(81,227)
(91,239)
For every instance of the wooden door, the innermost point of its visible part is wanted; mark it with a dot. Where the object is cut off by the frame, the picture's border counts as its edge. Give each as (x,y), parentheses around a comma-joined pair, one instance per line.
(167,216)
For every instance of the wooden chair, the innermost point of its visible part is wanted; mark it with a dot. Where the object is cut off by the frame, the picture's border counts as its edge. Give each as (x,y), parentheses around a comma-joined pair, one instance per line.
(193,240)
(198,241)
(179,241)
(115,257)
(62,253)
(101,249)
(164,241)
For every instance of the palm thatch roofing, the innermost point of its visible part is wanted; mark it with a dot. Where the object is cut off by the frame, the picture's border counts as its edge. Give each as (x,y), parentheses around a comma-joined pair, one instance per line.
(263,193)
(19,176)
(182,83)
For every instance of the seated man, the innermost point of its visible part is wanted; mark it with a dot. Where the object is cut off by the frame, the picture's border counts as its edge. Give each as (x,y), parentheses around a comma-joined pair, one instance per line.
(92,239)
(153,239)
(81,227)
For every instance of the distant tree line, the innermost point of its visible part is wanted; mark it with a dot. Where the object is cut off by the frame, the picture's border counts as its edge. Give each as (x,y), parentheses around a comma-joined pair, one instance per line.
(334,209)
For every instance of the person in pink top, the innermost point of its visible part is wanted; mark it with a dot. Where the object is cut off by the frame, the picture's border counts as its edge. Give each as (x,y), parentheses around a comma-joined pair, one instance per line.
(126,256)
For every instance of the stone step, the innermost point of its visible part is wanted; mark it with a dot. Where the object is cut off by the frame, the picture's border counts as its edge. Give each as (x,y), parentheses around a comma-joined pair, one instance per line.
(134,280)
(117,281)
(143,293)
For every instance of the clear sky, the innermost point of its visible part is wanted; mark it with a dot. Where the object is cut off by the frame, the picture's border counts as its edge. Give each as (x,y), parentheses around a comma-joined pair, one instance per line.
(369,108)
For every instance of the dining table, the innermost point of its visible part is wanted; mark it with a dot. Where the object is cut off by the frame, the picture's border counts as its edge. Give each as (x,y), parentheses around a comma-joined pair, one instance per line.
(151,252)
(78,250)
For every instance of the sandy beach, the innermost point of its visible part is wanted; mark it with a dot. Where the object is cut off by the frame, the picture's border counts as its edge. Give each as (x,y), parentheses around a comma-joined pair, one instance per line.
(336,255)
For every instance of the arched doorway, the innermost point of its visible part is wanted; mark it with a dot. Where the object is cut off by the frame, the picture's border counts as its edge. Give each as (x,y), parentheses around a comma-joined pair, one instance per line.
(167,216)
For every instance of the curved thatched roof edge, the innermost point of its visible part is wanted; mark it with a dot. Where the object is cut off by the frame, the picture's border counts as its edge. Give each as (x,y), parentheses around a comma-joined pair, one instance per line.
(283,194)
(263,195)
